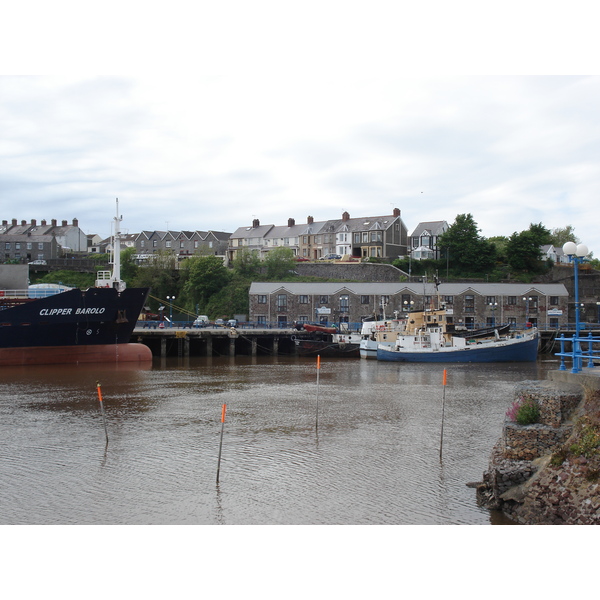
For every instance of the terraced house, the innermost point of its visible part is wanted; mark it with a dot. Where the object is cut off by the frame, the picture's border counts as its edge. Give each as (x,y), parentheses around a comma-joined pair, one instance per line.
(182,244)
(363,237)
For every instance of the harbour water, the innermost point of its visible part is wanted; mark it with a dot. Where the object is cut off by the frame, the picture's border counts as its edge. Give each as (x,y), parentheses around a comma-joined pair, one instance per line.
(354,442)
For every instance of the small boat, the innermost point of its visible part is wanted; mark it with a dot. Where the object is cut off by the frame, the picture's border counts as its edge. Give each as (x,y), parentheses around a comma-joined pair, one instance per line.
(477,333)
(318,328)
(327,342)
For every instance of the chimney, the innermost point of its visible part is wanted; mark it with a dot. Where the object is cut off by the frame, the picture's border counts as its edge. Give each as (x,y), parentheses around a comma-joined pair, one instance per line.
(33,222)
(396,212)
(255,223)
(291,222)
(64,223)
(43,222)
(14,221)
(310,220)
(23,222)
(345,216)
(75,223)
(4,222)
(53,222)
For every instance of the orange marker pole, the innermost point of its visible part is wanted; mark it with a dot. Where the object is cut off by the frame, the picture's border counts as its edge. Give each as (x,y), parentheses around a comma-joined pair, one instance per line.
(102,410)
(444,381)
(223,411)
(318,370)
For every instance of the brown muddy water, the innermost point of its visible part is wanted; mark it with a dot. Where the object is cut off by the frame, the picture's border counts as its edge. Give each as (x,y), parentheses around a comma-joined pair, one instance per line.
(372,458)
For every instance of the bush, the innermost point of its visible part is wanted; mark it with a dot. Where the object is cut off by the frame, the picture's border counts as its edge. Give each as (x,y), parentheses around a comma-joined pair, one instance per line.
(524,411)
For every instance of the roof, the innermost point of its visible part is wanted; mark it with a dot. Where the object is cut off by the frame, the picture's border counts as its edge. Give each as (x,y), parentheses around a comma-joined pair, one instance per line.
(435,227)
(416,289)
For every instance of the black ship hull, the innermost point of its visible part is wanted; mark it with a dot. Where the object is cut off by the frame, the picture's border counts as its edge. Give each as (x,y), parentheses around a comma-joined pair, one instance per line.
(62,327)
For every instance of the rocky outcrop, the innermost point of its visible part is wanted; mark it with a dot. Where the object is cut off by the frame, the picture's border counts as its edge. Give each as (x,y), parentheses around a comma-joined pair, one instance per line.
(543,473)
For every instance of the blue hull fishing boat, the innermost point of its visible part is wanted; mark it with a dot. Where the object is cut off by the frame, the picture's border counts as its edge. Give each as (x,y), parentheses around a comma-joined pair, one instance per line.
(522,347)
(429,337)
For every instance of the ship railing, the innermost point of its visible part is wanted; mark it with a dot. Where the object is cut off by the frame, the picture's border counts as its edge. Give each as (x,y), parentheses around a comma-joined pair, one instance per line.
(30,293)
(581,351)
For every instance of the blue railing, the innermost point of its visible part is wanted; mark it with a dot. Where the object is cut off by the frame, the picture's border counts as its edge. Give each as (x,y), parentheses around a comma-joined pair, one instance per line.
(582,350)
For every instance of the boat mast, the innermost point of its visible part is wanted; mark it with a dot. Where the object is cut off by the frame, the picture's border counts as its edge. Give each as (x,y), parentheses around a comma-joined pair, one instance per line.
(113,278)
(116,274)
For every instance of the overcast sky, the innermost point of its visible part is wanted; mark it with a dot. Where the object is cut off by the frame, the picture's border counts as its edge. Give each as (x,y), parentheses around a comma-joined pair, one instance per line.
(209,119)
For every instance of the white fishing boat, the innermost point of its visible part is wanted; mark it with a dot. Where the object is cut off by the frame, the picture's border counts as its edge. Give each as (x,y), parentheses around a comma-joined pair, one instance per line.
(382,332)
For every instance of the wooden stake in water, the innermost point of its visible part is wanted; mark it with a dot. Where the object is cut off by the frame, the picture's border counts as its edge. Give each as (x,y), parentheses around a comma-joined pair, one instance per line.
(102,410)
(223,410)
(443,407)
(318,369)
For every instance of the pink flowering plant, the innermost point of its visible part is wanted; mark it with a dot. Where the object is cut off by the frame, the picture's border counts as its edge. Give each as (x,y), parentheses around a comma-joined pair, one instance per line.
(524,411)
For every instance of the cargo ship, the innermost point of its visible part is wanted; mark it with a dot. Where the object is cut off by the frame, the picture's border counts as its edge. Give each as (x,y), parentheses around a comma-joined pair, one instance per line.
(41,327)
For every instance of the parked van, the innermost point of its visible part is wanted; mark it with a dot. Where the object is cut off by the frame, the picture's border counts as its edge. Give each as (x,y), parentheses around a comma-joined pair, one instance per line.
(201,321)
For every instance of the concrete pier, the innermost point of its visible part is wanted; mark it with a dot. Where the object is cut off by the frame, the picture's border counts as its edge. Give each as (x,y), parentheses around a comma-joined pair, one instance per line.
(221,341)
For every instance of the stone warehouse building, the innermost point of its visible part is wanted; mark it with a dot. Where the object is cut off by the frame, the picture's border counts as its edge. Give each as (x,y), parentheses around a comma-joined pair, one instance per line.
(471,305)
(363,237)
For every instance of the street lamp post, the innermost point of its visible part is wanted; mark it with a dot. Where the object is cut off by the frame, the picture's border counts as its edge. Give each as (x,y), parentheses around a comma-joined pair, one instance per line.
(170,299)
(576,254)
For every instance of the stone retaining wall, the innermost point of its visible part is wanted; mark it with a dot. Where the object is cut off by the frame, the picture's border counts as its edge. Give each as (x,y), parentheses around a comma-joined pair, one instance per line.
(515,456)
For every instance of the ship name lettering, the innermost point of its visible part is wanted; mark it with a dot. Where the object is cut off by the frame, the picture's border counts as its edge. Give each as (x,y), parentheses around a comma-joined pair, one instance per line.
(90,311)
(51,312)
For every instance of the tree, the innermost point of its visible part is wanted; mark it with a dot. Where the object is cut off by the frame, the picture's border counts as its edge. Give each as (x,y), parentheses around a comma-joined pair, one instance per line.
(206,275)
(561,235)
(128,267)
(523,250)
(246,263)
(468,251)
(279,263)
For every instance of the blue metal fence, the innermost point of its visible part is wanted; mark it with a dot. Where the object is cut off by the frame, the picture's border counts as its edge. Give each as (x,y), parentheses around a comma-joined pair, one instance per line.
(582,351)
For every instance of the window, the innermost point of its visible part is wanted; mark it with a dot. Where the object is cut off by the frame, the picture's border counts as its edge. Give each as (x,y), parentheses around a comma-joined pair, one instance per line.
(357,238)
(490,300)
(533,303)
(7,245)
(281,302)
(29,245)
(448,299)
(554,300)
(196,243)
(154,243)
(302,299)
(302,319)
(365,299)
(168,244)
(182,244)
(261,319)
(261,299)
(365,237)
(323,299)
(384,299)
(344,303)
(469,303)
(511,300)
(40,246)
(554,322)
(17,245)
